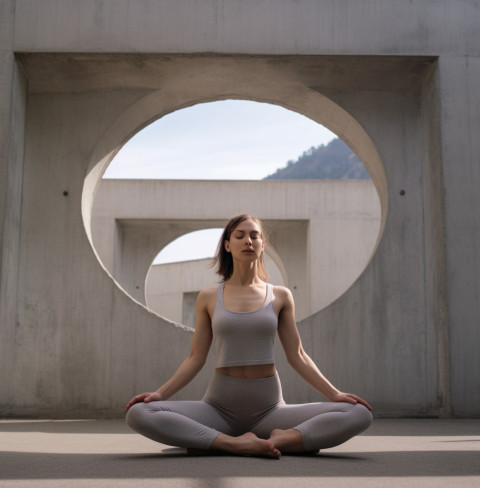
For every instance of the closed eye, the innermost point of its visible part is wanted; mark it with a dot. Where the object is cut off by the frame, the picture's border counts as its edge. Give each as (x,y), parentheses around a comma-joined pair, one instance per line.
(240,234)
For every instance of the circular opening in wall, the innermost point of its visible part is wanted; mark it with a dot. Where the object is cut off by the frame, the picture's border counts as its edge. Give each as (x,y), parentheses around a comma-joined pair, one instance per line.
(315,199)
(182,269)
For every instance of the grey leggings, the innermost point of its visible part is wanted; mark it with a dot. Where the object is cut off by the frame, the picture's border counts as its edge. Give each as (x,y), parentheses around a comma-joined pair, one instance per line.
(235,406)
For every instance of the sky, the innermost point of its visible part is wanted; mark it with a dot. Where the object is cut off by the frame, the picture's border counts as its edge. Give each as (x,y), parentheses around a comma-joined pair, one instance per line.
(229,140)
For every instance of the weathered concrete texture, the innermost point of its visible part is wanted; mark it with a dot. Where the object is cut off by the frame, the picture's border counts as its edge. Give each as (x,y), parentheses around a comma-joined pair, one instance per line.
(12,136)
(396,80)
(329,226)
(461,170)
(434,216)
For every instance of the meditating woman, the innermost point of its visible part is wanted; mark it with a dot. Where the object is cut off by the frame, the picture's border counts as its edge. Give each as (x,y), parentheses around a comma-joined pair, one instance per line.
(243,411)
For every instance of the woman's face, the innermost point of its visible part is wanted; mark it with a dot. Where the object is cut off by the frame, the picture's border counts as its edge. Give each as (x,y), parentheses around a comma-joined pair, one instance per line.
(246,241)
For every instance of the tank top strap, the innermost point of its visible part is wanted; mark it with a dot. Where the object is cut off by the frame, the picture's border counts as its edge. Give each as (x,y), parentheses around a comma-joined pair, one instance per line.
(220,294)
(269,297)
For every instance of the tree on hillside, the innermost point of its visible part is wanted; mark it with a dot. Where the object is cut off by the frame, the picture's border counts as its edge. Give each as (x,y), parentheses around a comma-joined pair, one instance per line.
(334,161)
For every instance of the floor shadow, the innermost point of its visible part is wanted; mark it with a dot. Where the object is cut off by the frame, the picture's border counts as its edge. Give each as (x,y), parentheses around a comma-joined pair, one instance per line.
(29,465)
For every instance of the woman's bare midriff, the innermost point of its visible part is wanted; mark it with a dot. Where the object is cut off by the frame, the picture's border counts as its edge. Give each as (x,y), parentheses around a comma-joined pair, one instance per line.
(249,372)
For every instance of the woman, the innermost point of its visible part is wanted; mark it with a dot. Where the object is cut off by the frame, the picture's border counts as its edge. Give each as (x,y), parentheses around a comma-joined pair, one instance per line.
(243,411)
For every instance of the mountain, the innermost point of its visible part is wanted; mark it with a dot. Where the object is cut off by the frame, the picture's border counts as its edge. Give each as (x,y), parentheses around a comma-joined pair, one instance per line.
(334,161)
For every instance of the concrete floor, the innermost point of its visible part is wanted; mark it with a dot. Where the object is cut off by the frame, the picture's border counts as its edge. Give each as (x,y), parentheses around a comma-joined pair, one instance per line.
(104,453)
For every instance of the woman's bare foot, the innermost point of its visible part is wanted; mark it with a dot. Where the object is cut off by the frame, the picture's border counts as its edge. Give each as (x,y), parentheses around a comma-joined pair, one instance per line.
(287,441)
(246,445)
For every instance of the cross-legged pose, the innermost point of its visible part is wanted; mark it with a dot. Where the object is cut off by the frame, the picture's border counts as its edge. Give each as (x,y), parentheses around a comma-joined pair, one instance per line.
(243,411)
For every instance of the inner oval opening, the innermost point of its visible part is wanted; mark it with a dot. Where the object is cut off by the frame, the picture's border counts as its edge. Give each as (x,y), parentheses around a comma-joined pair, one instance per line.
(182,269)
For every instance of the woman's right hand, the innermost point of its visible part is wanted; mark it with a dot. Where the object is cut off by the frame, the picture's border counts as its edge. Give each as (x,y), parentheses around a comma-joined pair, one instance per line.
(143,397)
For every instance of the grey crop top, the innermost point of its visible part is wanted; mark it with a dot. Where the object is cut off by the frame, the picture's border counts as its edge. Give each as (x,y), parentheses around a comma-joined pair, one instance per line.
(244,338)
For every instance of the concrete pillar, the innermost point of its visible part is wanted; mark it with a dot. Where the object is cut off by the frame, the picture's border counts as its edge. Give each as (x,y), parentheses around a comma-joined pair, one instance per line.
(460,147)
(436,316)
(13,94)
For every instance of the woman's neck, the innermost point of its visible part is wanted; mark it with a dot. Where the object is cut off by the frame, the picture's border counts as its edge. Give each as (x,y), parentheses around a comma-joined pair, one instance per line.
(245,275)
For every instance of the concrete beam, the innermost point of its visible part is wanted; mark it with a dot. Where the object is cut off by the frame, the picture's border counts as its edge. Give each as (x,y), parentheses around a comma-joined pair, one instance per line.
(132,220)
(277,27)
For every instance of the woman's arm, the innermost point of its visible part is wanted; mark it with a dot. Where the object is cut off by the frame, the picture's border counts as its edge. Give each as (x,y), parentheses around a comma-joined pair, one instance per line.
(299,359)
(202,340)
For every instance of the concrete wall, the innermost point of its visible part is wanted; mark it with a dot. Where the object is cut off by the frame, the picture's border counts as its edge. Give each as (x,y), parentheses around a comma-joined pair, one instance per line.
(398,81)
(330,227)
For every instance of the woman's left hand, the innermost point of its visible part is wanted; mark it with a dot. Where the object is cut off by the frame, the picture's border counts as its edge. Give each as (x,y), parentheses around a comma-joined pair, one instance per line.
(350,398)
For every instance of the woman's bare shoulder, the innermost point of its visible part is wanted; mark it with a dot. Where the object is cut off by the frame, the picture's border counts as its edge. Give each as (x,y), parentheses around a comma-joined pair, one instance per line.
(283,297)
(282,292)
(207,296)
(208,292)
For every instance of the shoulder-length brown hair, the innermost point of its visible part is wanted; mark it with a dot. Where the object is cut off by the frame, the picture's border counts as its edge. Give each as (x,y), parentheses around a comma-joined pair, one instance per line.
(223,259)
